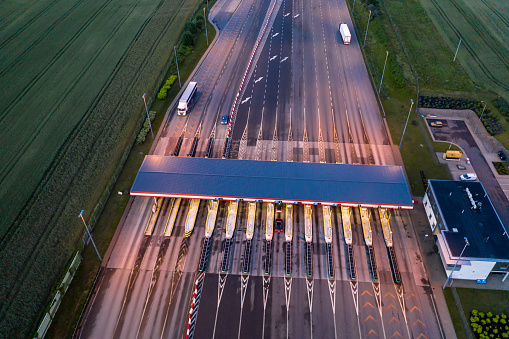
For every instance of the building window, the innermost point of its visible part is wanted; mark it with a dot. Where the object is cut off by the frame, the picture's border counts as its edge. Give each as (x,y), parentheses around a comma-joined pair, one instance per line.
(425,204)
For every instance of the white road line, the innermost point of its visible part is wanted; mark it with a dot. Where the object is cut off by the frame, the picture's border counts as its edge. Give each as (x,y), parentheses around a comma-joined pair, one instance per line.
(220,290)
(355,295)
(266,285)
(288,293)
(332,294)
(244,280)
(310,290)
(378,298)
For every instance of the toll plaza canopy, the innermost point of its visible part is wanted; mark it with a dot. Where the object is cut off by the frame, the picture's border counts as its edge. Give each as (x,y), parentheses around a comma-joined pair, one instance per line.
(272,181)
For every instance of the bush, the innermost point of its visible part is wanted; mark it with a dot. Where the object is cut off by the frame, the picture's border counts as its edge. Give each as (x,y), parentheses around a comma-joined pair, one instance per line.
(145,129)
(163,92)
(188,39)
(199,22)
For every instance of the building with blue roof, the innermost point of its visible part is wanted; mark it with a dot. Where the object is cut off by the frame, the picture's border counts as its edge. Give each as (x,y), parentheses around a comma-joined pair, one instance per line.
(464,223)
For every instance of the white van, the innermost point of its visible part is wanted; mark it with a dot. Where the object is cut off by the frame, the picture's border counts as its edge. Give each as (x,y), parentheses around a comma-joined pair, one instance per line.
(468,177)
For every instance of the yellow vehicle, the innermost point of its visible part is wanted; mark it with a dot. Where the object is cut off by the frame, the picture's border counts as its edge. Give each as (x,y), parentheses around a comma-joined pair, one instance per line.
(453,155)
(436,124)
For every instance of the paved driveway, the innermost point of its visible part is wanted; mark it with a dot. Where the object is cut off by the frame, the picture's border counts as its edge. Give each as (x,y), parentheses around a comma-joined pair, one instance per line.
(458,132)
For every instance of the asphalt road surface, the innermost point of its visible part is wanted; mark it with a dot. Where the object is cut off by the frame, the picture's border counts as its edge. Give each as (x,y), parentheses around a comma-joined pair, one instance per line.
(306,97)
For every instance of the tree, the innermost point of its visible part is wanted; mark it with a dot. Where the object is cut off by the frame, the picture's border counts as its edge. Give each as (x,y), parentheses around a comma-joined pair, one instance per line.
(188,39)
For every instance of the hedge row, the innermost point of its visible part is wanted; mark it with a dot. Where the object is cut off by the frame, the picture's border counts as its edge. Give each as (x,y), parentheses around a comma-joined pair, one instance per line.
(502,106)
(489,119)
(145,129)
(489,326)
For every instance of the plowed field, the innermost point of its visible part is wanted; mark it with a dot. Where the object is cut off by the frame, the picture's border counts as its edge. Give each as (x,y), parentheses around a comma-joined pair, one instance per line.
(71,77)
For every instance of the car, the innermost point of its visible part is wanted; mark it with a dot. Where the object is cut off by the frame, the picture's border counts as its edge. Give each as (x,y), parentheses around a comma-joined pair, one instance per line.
(436,124)
(224,121)
(279,218)
(501,155)
(468,177)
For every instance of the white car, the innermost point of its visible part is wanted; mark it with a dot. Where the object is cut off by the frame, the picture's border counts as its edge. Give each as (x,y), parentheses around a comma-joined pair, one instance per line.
(468,177)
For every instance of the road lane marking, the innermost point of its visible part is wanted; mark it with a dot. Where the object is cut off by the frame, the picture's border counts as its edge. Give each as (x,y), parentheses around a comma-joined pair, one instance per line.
(258,80)
(220,290)
(415,308)
(266,286)
(246,100)
(296,15)
(332,294)
(310,292)
(397,334)
(370,317)
(284,59)
(272,58)
(244,280)
(419,320)
(275,35)
(288,293)
(373,331)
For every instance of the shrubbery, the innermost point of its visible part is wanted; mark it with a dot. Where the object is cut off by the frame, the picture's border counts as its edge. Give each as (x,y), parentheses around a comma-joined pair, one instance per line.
(489,120)
(146,128)
(488,326)
(163,92)
(191,30)
(502,106)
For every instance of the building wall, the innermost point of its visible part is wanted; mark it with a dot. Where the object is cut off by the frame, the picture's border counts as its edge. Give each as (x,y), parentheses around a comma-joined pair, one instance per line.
(476,270)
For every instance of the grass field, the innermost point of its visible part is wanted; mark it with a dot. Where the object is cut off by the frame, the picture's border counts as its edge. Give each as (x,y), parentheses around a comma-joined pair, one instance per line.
(72,74)
(494,301)
(484,26)
(67,316)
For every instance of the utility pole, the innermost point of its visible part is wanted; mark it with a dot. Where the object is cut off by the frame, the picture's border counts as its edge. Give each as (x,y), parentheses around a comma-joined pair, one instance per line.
(177,62)
(367,27)
(480,118)
(450,275)
(455,54)
(90,235)
(383,72)
(406,123)
(205,19)
(148,117)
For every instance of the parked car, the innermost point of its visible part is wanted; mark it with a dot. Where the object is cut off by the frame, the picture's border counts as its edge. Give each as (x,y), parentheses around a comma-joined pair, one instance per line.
(468,177)
(501,155)
(436,124)
(224,121)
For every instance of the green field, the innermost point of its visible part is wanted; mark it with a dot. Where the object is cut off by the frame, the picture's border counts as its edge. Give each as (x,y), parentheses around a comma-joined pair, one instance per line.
(484,26)
(72,74)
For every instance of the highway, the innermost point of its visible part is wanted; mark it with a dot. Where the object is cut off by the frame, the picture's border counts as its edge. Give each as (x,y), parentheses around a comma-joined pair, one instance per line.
(306,97)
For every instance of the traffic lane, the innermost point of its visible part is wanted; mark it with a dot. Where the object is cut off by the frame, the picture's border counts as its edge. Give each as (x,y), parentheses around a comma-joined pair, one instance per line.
(310,98)
(228,84)
(100,317)
(457,131)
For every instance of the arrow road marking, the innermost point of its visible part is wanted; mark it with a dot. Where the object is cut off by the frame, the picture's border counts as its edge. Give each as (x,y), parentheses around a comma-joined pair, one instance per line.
(275,35)
(275,56)
(284,59)
(296,16)
(245,100)
(287,14)
(259,79)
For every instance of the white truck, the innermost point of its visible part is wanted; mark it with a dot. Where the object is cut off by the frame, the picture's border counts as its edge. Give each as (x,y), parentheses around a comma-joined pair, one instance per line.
(345,33)
(186,98)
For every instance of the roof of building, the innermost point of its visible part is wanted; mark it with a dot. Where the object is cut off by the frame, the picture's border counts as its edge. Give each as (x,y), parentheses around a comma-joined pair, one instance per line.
(271,181)
(481,226)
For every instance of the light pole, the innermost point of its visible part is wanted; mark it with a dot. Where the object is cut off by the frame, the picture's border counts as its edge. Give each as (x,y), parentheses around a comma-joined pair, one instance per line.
(455,54)
(383,72)
(205,19)
(353,6)
(480,118)
(177,62)
(208,10)
(148,117)
(367,27)
(408,117)
(90,235)
(463,250)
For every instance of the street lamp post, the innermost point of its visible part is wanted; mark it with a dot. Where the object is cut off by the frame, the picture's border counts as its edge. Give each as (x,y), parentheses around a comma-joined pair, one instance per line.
(177,62)
(148,117)
(353,6)
(455,54)
(90,235)
(205,19)
(463,250)
(383,72)
(480,118)
(208,10)
(408,117)
(367,27)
